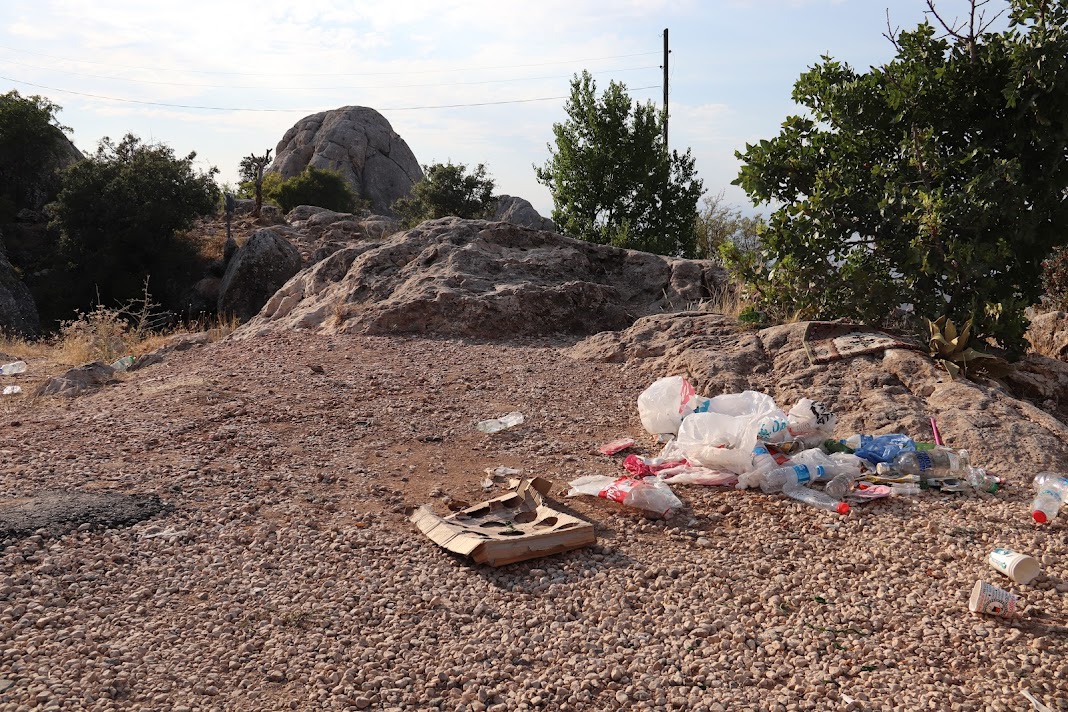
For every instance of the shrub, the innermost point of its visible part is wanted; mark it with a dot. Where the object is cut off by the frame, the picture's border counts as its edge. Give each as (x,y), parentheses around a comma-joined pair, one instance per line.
(313,186)
(31,142)
(1055,280)
(118,213)
(447,190)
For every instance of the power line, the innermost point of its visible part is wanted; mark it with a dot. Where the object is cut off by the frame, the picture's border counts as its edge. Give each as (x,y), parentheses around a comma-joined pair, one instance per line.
(277,88)
(328,74)
(302,111)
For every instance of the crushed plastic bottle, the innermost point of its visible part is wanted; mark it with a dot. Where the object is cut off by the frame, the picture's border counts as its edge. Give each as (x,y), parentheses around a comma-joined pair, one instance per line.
(789,476)
(10,369)
(123,363)
(980,480)
(495,425)
(1052,491)
(815,498)
(904,489)
(937,462)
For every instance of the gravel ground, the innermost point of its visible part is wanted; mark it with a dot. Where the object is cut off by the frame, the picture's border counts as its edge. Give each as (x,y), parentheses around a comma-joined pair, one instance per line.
(286,576)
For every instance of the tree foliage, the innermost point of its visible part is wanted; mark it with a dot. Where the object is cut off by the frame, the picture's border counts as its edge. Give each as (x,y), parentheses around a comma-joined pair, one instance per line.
(720,225)
(319,187)
(31,140)
(118,212)
(937,180)
(447,189)
(251,170)
(612,179)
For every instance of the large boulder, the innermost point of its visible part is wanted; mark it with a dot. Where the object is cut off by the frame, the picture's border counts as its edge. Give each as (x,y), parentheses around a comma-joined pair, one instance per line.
(519,211)
(259,267)
(360,144)
(18,312)
(486,280)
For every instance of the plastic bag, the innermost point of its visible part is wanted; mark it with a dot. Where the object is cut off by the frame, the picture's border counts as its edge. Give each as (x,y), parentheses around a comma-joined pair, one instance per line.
(883,448)
(811,422)
(664,404)
(687,475)
(644,466)
(724,437)
(649,494)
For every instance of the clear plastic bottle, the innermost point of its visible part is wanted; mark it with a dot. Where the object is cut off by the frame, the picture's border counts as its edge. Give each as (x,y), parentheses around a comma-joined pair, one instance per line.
(904,489)
(815,498)
(10,369)
(1052,491)
(840,485)
(981,481)
(496,425)
(788,476)
(937,462)
(763,461)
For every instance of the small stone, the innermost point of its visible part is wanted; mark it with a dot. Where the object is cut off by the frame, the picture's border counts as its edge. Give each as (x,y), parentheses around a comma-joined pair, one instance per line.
(704,542)
(622,697)
(362,703)
(275,676)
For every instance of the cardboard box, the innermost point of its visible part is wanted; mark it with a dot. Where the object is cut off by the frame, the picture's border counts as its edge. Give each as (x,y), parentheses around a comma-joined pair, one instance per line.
(516,526)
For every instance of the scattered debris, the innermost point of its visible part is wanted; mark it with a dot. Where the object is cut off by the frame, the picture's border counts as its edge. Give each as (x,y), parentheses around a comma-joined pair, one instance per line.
(616,446)
(649,494)
(123,364)
(12,390)
(13,368)
(1039,707)
(495,425)
(988,598)
(1021,568)
(513,527)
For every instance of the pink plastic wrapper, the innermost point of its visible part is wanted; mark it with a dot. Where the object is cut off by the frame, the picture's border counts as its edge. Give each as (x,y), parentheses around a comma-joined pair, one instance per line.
(641,466)
(616,446)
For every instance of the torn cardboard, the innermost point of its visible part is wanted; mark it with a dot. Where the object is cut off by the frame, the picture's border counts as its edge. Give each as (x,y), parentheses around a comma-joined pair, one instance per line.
(513,527)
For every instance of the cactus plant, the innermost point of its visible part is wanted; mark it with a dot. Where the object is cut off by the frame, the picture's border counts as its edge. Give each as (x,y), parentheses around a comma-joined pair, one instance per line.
(950,347)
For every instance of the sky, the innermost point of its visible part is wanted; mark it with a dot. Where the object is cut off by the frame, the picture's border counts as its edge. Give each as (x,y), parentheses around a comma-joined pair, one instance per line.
(467,81)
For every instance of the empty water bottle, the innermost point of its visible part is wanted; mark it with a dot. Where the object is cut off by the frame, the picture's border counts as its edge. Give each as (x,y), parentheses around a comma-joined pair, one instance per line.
(937,462)
(815,498)
(791,475)
(1052,490)
(981,481)
(10,369)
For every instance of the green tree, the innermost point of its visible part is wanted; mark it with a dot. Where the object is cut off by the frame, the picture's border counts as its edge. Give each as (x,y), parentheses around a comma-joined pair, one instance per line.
(251,170)
(31,144)
(612,179)
(937,180)
(719,224)
(270,184)
(118,213)
(319,187)
(447,189)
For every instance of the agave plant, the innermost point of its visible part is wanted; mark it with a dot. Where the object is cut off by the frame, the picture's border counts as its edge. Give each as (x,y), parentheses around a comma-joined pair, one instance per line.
(951,348)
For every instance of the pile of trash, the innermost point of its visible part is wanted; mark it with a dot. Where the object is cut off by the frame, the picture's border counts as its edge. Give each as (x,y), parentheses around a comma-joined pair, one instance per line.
(746,441)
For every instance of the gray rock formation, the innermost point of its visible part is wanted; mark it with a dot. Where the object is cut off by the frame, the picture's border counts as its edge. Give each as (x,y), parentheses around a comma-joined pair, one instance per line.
(263,264)
(891,391)
(486,280)
(18,312)
(519,211)
(77,380)
(359,143)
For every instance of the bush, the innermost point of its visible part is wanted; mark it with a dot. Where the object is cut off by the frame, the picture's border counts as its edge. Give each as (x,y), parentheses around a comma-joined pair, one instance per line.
(447,190)
(118,213)
(271,186)
(313,186)
(1055,280)
(31,143)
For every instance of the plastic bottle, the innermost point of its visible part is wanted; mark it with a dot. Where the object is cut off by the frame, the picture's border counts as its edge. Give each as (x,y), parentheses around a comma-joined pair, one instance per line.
(790,475)
(815,498)
(904,489)
(1052,491)
(10,369)
(981,481)
(938,462)
(763,461)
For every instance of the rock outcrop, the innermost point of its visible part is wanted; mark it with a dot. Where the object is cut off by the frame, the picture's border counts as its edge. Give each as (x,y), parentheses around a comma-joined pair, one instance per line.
(18,312)
(519,211)
(359,143)
(891,391)
(259,267)
(485,280)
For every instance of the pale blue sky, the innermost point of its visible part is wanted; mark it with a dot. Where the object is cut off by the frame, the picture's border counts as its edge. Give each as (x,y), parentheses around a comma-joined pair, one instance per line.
(733,65)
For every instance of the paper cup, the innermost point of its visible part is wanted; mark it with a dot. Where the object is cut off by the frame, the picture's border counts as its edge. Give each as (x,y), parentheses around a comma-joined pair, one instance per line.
(1021,568)
(989,599)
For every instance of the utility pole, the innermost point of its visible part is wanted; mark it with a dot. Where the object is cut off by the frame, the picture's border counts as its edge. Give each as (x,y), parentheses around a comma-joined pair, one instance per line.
(666,53)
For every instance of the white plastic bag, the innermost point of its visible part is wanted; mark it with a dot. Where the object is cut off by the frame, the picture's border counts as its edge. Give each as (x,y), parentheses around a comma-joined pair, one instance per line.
(650,494)
(664,404)
(687,475)
(811,422)
(724,437)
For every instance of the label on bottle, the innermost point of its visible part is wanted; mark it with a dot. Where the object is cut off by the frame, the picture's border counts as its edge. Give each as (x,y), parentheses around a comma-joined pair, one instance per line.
(802,474)
(925,462)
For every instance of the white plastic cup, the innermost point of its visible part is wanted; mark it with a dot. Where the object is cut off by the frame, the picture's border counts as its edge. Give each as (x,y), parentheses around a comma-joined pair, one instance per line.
(1021,568)
(988,598)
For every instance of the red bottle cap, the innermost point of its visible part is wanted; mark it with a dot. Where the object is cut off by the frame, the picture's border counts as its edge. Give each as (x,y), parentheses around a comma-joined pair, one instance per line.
(1039,516)
(843,508)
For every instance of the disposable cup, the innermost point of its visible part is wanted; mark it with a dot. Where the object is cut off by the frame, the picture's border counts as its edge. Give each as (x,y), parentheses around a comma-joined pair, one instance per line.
(988,598)
(1021,568)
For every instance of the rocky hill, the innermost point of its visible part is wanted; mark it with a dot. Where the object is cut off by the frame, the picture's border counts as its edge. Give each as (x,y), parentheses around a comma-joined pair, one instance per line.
(281,571)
